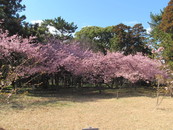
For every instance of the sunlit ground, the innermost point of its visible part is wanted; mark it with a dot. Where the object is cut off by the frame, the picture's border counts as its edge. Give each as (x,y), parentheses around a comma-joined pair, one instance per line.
(132,111)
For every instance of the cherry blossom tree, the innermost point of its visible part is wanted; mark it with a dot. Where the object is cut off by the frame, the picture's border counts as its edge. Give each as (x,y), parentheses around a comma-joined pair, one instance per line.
(27,59)
(113,65)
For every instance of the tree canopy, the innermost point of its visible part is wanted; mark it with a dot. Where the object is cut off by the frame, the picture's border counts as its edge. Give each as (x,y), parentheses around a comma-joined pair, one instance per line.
(9,16)
(56,28)
(162,33)
(91,67)
(129,40)
(167,18)
(113,52)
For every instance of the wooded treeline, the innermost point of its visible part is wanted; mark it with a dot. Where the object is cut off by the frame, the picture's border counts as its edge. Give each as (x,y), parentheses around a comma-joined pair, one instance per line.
(93,56)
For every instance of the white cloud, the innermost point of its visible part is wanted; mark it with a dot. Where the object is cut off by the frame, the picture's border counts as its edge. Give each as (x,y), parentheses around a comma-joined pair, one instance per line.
(130,22)
(37,21)
(148,30)
(51,28)
(86,26)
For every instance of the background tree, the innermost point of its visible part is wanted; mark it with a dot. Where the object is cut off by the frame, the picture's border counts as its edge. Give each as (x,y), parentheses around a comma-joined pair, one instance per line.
(62,30)
(154,34)
(9,15)
(117,38)
(130,40)
(40,31)
(167,18)
(162,32)
(98,37)
(155,19)
(56,28)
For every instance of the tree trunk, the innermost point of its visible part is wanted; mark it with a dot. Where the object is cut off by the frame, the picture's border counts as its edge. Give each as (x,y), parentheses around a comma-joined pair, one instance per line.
(158,86)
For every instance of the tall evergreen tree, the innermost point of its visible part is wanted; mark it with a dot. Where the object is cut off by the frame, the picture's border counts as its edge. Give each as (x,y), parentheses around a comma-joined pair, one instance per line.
(155,19)
(130,40)
(167,18)
(9,16)
(162,32)
(62,30)
(56,28)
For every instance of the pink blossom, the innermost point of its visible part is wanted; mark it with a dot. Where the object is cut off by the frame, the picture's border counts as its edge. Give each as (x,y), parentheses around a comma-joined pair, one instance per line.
(94,67)
(160,49)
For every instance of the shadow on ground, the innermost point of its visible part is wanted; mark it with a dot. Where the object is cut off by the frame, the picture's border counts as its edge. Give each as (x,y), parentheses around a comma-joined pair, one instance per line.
(64,97)
(88,95)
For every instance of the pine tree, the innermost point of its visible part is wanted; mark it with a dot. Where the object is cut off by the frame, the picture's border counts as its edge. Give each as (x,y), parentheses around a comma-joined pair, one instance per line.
(9,16)
(167,18)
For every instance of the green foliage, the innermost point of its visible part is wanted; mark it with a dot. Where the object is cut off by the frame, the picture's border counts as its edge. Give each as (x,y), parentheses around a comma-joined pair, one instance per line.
(63,30)
(9,15)
(167,18)
(41,32)
(155,19)
(116,38)
(130,40)
(14,23)
(162,33)
(97,35)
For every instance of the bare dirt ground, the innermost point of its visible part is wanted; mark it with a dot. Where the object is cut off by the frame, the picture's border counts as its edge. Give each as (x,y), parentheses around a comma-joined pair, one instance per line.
(74,112)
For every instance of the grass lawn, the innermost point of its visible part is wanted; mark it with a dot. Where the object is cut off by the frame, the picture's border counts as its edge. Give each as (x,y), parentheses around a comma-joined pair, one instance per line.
(69,111)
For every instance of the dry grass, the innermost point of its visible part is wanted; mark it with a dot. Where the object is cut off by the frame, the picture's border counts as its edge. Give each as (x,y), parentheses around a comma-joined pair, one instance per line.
(74,112)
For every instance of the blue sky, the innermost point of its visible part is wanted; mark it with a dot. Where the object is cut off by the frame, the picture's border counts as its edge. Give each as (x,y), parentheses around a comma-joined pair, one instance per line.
(94,12)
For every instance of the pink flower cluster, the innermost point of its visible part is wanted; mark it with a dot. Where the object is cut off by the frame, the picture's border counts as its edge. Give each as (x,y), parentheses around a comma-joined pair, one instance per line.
(50,58)
(160,49)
